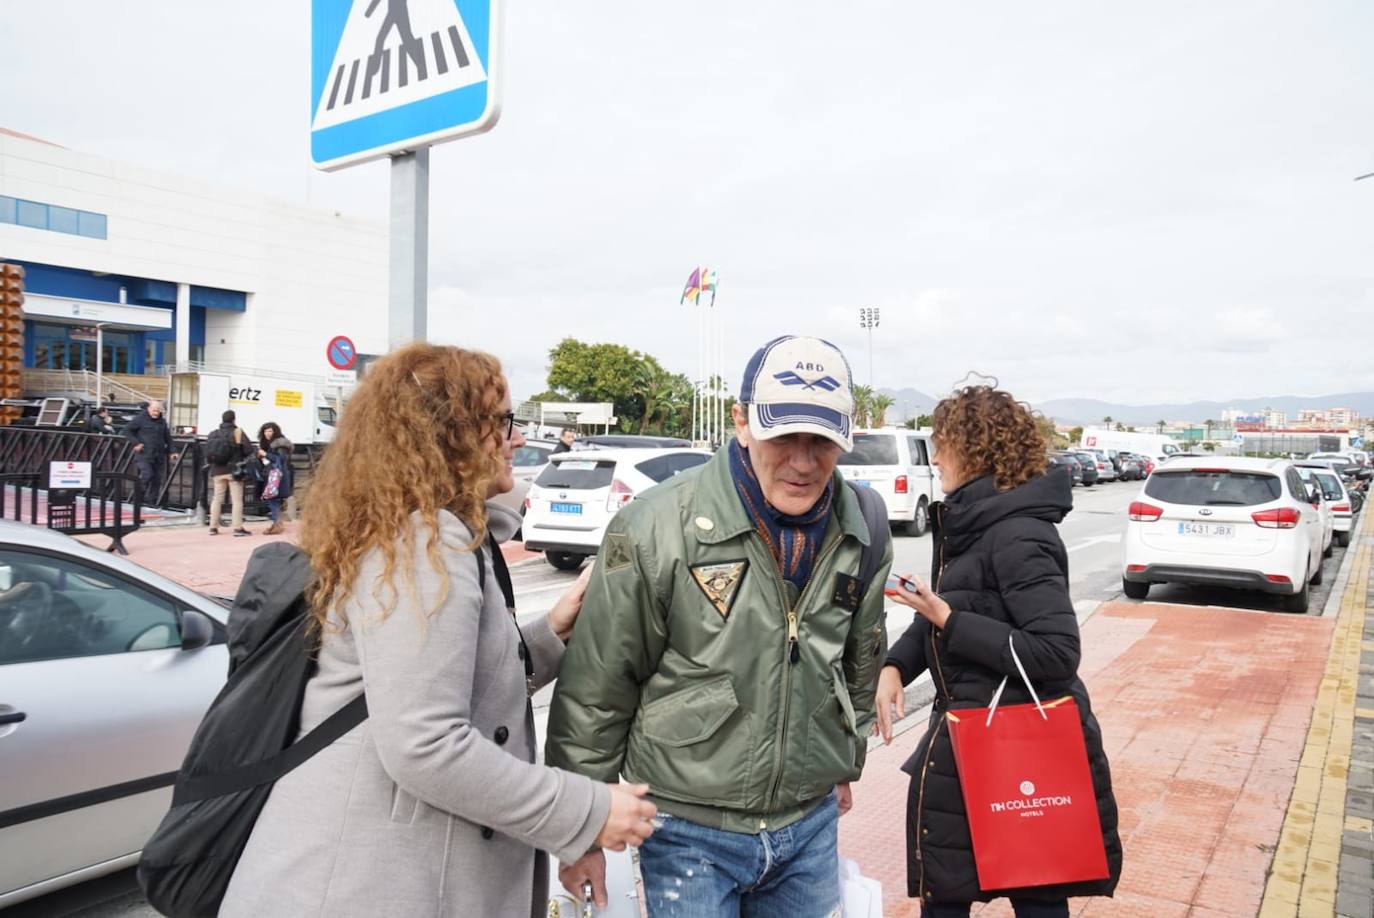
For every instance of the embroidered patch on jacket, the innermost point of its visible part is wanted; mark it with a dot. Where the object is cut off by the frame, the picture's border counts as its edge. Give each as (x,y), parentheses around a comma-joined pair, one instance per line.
(720,582)
(617,553)
(849,592)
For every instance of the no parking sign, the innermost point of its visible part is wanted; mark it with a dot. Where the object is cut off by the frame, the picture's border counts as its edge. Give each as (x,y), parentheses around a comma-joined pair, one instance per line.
(341,353)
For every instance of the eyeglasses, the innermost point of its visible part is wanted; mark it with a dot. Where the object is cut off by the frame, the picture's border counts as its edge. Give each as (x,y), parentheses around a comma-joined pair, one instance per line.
(509,418)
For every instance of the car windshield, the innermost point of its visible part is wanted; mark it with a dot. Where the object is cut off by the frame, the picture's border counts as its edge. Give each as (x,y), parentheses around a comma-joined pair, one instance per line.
(1331,485)
(872,449)
(1213,487)
(577,474)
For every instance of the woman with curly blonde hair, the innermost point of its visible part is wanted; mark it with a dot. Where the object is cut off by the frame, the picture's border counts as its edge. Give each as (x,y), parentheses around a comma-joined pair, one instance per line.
(433,805)
(1001,579)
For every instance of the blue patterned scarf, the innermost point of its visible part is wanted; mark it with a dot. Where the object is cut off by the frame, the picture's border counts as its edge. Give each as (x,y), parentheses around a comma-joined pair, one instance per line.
(793,540)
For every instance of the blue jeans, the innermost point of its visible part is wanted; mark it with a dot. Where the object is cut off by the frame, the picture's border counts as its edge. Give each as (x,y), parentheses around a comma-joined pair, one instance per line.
(697,872)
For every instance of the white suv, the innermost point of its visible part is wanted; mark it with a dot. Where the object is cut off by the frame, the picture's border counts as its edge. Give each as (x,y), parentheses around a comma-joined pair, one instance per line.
(575,496)
(896,463)
(1336,498)
(1230,522)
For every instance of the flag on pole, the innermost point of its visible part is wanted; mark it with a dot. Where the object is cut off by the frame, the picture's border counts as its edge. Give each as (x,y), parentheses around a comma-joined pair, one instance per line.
(708,282)
(692,291)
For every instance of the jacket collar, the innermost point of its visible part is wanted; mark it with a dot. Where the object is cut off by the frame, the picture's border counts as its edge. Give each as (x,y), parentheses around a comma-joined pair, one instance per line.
(717,501)
(968,511)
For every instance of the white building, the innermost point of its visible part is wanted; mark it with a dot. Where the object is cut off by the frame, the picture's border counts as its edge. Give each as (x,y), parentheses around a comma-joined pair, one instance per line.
(1274,417)
(176,269)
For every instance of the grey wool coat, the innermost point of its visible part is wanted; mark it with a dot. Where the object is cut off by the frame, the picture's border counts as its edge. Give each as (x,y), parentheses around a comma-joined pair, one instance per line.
(432,806)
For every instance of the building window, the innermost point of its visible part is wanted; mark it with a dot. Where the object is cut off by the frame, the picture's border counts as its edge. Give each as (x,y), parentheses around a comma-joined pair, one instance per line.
(51,217)
(33,215)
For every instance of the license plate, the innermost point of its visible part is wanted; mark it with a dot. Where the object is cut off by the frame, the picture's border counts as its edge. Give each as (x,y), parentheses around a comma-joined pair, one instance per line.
(565,508)
(862,482)
(1209,530)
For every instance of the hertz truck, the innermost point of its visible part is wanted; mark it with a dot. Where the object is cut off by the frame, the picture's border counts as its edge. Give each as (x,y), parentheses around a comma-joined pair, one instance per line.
(1156,446)
(198,400)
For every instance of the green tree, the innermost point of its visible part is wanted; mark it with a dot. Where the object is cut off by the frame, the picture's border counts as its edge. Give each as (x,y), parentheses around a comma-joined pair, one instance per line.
(1076,435)
(1108,421)
(863,405)
(879,405)
(925,420)
(602,373)
(1210,447)
(1208,425)
(1160,425)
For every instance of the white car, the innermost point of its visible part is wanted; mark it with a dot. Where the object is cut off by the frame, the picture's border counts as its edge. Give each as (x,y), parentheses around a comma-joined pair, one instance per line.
(575,496)
(526,464)
(1335,495)
(896,463)
(1106,469)
(105,672)
(1229,522)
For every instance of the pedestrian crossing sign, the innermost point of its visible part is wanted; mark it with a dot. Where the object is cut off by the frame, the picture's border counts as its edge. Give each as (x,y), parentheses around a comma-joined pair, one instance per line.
(394,75)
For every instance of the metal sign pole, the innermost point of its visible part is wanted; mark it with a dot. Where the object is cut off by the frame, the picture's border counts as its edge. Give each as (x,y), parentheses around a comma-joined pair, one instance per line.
(409,299)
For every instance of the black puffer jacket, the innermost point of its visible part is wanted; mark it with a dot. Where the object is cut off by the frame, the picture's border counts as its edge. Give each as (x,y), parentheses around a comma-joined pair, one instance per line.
(1001,566)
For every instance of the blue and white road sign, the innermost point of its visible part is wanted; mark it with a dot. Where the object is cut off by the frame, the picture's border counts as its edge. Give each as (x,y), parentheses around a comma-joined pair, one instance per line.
(394,75)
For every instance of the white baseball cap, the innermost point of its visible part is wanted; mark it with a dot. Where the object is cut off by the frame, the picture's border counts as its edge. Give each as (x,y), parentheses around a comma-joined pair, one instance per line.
(796,384)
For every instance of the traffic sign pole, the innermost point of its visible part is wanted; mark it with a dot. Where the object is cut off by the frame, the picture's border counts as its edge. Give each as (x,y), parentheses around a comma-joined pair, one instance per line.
(409,297)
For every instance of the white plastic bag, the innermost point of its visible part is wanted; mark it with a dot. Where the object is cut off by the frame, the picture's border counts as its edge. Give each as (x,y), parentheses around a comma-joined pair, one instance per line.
(860,896)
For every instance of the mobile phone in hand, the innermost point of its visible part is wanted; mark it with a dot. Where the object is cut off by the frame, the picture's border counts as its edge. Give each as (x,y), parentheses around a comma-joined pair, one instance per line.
(896,584)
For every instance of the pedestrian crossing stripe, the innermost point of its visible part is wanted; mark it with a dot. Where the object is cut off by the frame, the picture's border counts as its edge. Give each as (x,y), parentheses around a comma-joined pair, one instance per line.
(393,75)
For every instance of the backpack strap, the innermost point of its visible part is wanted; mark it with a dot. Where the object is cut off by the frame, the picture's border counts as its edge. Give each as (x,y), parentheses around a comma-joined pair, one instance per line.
(266,771)
(875,515)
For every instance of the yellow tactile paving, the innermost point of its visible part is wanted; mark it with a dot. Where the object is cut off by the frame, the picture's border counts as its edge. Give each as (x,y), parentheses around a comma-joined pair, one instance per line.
(1302,880)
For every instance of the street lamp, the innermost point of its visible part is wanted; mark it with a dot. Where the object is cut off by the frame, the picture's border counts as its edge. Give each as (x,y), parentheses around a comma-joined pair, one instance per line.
(868,318)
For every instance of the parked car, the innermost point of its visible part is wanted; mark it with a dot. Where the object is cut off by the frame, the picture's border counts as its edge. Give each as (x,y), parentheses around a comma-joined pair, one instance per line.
(526,464)
(1106,469)
(1091,475)
(1131,466)
(1229,522)
(628,441)
(1342,463)
(896,463)
(1070,462)
(105,672)
(1336,496)
(577,493)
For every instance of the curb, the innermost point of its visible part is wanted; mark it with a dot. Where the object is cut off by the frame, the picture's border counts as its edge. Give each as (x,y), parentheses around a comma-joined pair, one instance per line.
(1333,599)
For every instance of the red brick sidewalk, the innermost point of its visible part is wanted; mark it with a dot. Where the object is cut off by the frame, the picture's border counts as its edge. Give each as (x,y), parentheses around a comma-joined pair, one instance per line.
(215,564)
(1204,713)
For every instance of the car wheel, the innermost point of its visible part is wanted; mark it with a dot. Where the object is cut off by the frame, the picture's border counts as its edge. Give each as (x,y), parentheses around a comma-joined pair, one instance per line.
(1297,602)
(1330,547)
(1342,539)
(921,521)
(1134,589)
(565,560)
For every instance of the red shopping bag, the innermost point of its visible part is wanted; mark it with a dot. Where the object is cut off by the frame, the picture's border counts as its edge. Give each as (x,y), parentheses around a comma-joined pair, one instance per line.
(1028,792)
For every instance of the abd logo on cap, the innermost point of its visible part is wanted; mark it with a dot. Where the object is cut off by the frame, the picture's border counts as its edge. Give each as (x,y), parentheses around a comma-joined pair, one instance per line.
(793,378)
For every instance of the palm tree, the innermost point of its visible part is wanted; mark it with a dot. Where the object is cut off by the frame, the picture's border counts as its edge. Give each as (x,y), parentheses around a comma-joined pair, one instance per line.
(1208,424)
(1161,426)
(1107,421)
(863,403)
(879,406)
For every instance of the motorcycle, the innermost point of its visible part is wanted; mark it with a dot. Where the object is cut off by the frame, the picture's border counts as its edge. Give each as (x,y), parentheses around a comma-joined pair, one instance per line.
(1357,487)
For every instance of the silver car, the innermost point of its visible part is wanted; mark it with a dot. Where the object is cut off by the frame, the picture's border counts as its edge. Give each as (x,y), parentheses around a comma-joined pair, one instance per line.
(105,672)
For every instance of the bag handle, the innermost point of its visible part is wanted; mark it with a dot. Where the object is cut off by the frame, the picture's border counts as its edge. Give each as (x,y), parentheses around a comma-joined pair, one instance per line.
(997,696)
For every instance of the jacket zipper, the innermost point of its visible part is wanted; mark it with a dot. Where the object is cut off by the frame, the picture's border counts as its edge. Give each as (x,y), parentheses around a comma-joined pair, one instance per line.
(940,674)
(793,655)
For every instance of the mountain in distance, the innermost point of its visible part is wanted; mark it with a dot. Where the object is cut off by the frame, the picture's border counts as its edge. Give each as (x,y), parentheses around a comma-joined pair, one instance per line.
(1088,411)
(907,403)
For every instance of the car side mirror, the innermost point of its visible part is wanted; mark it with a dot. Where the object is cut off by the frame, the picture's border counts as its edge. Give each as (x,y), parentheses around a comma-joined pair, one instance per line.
(1314,496)
(196,629)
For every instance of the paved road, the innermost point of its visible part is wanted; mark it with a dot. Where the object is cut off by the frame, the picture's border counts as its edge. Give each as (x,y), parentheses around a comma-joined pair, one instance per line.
(1091,533)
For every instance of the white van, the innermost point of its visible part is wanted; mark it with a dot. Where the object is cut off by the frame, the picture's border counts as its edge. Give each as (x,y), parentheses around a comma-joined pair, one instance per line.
(895,462)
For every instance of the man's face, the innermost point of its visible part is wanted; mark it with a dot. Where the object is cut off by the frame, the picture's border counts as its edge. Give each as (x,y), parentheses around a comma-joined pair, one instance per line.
(155,409)
(793,470)
(567,437)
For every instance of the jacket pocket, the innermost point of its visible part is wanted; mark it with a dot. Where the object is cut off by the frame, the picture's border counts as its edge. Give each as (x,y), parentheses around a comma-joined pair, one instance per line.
(690,715)
(831,735)
(695,745)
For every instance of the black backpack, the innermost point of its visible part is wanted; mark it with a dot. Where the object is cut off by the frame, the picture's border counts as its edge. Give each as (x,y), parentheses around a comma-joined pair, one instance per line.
(244,744)
(220,446)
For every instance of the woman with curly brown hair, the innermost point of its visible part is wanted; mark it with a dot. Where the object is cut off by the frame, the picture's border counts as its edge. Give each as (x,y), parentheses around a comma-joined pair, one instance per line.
(1001,579)
(433,805)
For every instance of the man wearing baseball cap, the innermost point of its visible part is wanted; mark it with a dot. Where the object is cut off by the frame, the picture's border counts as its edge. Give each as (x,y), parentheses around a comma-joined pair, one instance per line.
(727,650)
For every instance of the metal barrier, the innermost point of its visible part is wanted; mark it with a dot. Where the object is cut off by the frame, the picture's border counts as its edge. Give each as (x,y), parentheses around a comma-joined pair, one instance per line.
(57,509)
(186,486)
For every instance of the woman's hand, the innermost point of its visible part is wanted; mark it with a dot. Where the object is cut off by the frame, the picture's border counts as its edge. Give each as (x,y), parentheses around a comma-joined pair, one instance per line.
(630,819)
(891,697)
(925,601)
(563,615)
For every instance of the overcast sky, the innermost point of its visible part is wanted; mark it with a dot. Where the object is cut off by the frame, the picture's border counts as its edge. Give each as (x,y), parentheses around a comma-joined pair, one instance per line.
(1137,202)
